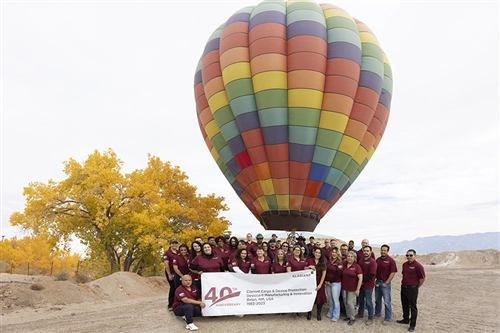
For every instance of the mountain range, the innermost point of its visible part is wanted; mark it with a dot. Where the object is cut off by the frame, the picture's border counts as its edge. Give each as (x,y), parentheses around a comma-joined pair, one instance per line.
(430,244)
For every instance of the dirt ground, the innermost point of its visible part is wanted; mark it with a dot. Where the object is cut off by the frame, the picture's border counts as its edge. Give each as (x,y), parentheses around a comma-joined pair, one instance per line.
(461,293)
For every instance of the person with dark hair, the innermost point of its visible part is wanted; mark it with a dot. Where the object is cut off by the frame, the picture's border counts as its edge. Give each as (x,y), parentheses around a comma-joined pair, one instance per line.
(364,242)
(369,269)
(344,250)
(279,263)
(333,283)
(318,263)
(352,278)
(413,278)
(311,246)
(264,246)
(233,245)
(168,260)
(250,244)
(211,241)
(272,249)
(296,263)
(180,264)
(261,264)
(241,263)
(206,262)
(195,251)
(386,269)
(350,247)
(221,251)
(287,249)
(187,302)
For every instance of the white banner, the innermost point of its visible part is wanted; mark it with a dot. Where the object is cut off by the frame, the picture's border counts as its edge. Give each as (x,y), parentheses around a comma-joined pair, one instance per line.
(233,293)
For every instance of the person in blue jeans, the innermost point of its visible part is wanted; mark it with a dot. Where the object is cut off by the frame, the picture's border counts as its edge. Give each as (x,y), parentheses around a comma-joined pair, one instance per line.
(369,268)
(333,283)
(386,269)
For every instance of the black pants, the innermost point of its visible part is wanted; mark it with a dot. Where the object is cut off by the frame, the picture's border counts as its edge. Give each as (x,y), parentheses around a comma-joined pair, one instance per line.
(171,292)
(409,297)
(177,280)
(188,310)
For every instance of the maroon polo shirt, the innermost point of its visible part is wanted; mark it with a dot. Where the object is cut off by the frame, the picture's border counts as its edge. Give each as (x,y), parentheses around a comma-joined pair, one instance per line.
(328,251)
(170,256)
(252,248)
(182,292)
(412,273)
(272,252)
(277,268)
(350,277)
(182,264)
(244,266)
(262,267)
(331,271)
(385,266)
(296,265)
(223,254)
(368,267)
(208,265)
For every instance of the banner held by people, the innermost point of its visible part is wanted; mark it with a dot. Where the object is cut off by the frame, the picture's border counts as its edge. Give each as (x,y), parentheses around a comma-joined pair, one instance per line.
(239,294)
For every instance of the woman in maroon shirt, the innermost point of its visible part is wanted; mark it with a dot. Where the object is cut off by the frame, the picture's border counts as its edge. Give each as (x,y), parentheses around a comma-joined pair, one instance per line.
(333,282)
(352,278)
(221,251)
(261,264)
(241,263)
(318,263)
(279,263)
(287,249)
(180,264)
(296,263)
(207,262)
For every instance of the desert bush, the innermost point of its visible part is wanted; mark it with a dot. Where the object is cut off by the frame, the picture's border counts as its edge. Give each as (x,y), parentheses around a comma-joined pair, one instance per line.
(63,276)
(82,278)
(37,286)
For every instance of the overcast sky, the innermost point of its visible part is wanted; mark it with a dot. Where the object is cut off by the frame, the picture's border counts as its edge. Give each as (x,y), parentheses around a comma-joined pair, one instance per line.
(97,75)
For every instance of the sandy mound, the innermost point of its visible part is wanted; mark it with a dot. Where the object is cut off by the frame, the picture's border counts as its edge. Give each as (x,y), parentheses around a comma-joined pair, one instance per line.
(458,259)
(16,291)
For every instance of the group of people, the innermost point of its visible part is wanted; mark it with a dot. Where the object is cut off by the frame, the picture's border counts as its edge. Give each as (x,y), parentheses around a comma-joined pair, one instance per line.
(345,277)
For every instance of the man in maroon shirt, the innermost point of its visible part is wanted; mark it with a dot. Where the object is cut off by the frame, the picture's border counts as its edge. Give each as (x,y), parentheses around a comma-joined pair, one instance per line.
(187,302)
(168,260)
(369,268)
(272,248)
(386,269)
(251,245)
(364,243)
(413,278)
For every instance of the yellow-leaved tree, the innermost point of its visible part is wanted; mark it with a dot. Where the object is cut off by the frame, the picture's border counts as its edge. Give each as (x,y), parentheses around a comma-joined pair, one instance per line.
(125,219)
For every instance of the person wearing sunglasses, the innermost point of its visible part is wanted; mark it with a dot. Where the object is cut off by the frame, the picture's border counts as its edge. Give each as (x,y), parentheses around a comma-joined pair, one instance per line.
(413,278)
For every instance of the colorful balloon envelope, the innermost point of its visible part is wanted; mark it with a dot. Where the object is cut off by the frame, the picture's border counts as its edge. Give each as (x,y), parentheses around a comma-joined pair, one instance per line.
(292,100)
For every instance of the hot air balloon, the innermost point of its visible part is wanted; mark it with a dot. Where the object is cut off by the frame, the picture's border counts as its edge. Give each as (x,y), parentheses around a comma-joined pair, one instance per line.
(292,100)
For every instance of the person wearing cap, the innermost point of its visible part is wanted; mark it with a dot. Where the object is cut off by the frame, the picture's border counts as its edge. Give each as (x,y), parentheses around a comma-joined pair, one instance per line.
(254,246)
(274,236)
(168,260)
(187,302)
(413,278)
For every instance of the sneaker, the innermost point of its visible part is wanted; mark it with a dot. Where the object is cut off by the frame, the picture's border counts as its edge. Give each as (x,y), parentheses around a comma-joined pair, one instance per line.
(351,321)
(184,318)
(359,316)
(170,308)
(411,329)
(402,321)
(191,327)
(385,322)
(369,322)
(346,318)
